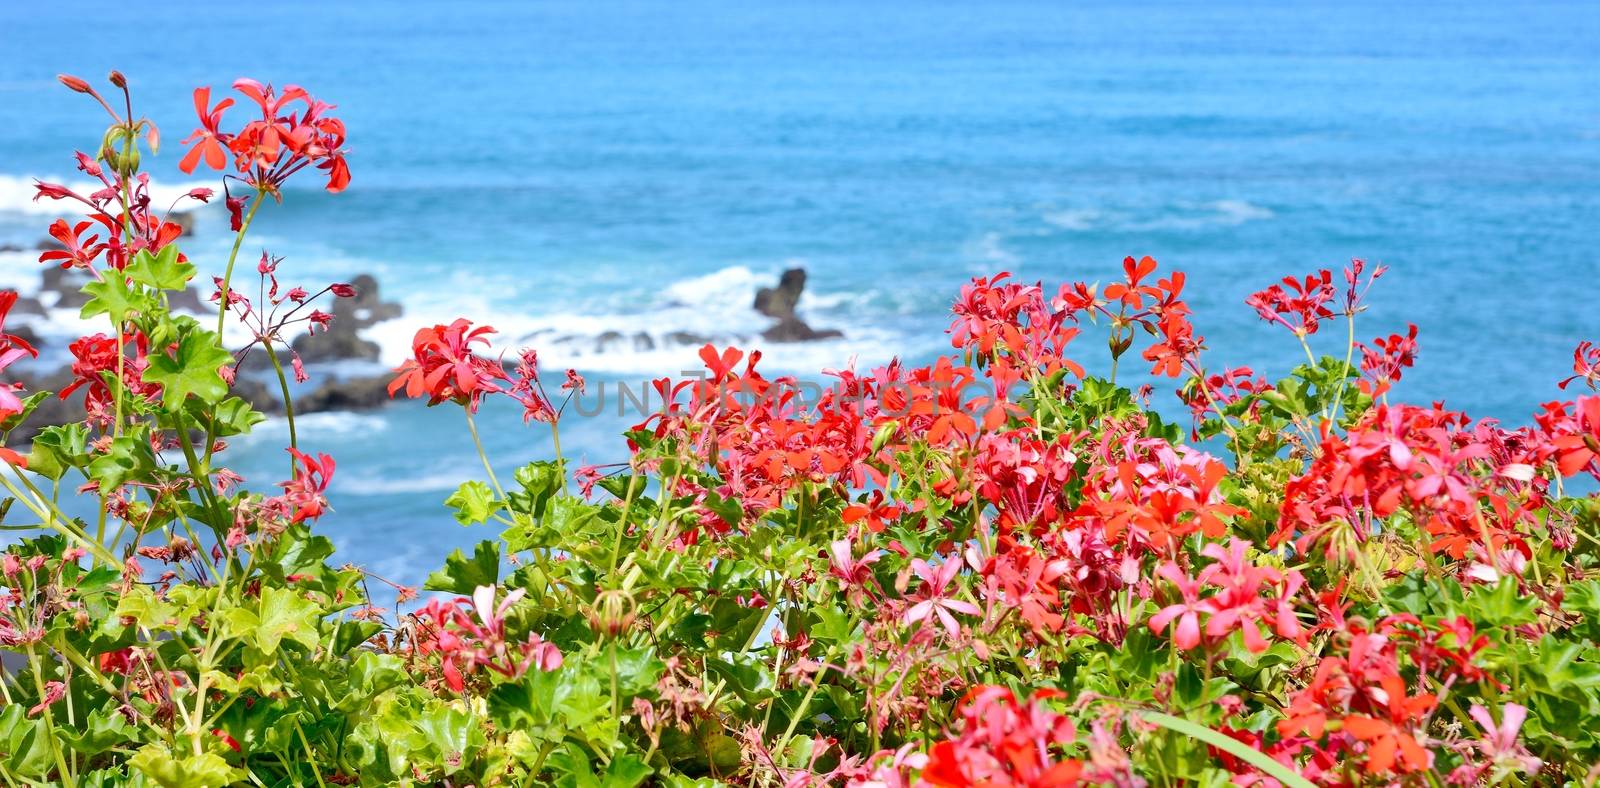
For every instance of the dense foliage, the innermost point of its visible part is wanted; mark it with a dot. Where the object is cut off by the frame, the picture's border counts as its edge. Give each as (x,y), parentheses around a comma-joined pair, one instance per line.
(990,570)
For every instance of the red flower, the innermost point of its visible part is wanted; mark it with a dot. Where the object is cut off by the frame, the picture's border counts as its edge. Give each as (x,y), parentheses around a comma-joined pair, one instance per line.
(1586,363)
(466,642)
(79,253)
(875,511)
(304,494)
(1576,451)
(275,146)
(1129,291)
(209,138)
(444,367)
(1301,307)
(1004,742)
(1383,362)
(1186,614)
(93,358)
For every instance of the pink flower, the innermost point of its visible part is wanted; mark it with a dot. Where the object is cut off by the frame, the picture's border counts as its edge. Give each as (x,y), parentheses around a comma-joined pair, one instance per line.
(843,565)
(1499,742)
(1186,634)
(934,602)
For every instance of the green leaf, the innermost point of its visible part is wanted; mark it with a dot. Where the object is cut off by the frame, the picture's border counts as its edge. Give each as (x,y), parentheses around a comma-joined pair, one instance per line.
(453,734)
(575,770)
(462,575)
(29,403)
(26,742)
(1233,746)
(105,729)
(192,369)
(207,770)
(538,481)
(162,271)
(281,615)
(55,449)
(473,503)
(111,296)
(232,416)
(128,459)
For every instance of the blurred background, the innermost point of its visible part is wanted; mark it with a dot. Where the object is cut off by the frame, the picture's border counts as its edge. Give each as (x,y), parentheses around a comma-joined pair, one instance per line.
(612,182)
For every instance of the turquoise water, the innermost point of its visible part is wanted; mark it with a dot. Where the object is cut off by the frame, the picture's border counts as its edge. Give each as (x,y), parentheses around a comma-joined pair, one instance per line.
(578,168)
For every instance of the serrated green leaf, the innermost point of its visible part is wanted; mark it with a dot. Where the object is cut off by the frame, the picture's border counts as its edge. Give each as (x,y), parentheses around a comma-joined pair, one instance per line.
(111,296)
(162,271)
(473,503)
(462,575)
(191,369)
(206,770)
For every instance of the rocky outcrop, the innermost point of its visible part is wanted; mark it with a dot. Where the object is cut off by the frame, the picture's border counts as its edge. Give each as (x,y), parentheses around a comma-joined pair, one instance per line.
(342,341)
(781,302)
(363,393)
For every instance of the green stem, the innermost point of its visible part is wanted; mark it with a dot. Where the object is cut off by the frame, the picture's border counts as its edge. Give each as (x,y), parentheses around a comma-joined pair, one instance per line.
(50,721)
(54,519)
(311,756)
(472,426)
(561,463)
(288,401)
(233,256)
(1344,377)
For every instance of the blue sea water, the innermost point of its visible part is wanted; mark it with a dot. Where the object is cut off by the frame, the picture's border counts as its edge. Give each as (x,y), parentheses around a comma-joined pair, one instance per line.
(576,168)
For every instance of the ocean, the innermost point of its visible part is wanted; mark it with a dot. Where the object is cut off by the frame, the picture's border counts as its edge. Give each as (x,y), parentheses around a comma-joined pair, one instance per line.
(565,170)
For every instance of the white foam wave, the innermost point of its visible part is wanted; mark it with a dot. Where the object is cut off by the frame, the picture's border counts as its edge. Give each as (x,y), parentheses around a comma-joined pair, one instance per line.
(17,193)
(990,248)
(646,329)
(659,337)
(325,423)
(1182,216)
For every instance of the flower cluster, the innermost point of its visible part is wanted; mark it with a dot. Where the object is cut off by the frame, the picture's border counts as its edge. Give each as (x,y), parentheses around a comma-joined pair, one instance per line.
(990,569)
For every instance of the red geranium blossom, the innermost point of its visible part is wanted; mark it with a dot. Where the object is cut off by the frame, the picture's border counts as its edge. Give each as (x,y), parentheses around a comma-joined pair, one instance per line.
(444,367)
(305,493)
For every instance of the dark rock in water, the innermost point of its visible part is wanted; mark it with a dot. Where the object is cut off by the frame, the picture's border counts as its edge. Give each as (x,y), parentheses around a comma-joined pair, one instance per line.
(27,305)
(10,248)
(54,278)
(66,283)
(642,341)
(184,220)
(336,345)
(342,341)
(353,394)
(189,300)
(780,302)
(261,395)
(686,338)
(794,329)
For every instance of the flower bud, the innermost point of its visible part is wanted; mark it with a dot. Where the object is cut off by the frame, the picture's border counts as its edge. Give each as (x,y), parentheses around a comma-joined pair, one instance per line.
(342,290)
(612,613)
(884,434)
(117,79)
(74,83)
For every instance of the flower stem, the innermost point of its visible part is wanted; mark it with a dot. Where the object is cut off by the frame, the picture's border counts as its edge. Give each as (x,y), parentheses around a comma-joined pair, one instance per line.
(472,426)
(288,401)
(233,256)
